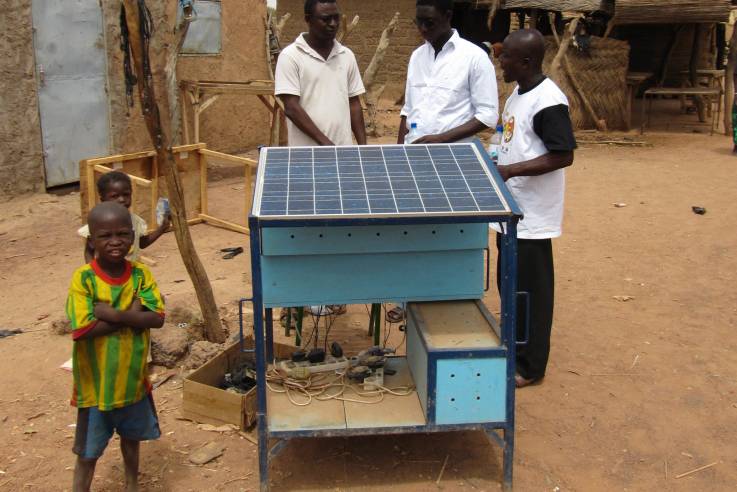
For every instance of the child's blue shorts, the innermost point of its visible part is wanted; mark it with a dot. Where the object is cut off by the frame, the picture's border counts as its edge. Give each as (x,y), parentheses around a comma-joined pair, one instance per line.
(136,422)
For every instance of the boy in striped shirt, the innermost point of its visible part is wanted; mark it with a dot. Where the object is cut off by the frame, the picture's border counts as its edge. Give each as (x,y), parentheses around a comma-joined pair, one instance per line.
(112,305)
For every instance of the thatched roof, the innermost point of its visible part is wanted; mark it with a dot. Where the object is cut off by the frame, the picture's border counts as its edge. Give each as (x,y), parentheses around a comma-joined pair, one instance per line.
(671,11)
(558,5)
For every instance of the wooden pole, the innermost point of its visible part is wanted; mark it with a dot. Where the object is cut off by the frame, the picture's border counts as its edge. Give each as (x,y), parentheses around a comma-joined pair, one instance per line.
(346,29)
(669,54)
(555,70)
(729,85)
(693,66)
(373,93)
(161,138)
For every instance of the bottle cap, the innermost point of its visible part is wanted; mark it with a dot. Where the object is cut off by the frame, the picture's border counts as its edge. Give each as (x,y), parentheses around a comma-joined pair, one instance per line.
(413,125)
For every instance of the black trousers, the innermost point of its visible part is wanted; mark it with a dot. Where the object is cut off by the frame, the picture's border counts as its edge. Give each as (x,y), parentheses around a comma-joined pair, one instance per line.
(535,274)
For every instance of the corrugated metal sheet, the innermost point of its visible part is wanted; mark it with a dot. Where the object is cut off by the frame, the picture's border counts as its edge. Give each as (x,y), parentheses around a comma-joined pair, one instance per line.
(204,36)
(71,72)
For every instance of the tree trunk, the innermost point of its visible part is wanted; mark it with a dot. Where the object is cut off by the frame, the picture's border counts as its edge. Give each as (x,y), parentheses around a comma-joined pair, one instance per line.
(161,137)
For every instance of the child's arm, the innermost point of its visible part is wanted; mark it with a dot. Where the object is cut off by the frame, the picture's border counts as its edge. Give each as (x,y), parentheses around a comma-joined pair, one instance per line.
(147,240)
(136,317)
(110,320)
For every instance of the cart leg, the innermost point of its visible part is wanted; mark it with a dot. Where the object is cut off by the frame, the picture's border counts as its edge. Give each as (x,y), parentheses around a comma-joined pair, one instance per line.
(508,458)
(298,326)
(263,454)
(269,325)
(288,325)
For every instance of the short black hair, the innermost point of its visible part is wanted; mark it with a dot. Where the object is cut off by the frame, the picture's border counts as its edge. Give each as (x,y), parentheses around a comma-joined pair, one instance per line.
(441,5)
(112,177)
(104,212)
(310,5)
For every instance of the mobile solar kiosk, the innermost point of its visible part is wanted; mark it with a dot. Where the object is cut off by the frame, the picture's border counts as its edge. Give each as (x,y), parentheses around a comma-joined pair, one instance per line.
(388,223)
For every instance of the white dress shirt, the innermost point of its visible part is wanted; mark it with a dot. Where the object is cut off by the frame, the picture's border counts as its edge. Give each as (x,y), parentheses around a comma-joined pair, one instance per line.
(449,90)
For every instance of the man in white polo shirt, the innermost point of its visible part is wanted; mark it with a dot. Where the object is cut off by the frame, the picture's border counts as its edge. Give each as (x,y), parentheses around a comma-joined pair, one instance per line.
(319,82)
(537,145)
(451,91)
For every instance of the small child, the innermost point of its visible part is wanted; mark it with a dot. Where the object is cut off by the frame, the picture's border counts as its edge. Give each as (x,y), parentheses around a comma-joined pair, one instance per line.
(112,305)
(116,187)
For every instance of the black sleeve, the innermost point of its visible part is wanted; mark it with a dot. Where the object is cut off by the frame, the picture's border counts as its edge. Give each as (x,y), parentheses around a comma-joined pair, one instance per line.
(553,126)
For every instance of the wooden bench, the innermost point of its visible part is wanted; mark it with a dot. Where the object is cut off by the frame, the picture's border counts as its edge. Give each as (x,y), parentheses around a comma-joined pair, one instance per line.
(711,94)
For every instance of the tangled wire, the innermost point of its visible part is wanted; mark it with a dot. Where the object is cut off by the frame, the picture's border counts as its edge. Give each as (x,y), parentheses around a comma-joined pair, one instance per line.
(327,386)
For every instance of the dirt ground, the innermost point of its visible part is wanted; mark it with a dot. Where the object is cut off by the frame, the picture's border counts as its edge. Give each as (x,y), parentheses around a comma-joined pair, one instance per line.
(637,392)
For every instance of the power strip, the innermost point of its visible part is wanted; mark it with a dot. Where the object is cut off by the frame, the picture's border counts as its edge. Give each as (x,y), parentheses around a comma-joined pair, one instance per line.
(330,364)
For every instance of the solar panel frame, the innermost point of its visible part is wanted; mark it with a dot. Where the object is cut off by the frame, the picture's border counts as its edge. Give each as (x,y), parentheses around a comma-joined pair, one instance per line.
(361,182)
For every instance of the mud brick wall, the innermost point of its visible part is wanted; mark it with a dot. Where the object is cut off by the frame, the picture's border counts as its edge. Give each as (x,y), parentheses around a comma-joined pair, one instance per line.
(375,16)
(21,154)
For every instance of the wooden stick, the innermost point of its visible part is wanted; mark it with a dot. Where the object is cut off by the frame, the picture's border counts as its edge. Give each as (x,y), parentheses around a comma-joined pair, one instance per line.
(161,139)
(729,86)
(493,9)
(280,25)
(203,183)
(346,29)
(373,93)
(224,224)
(445,463)
(693,67)
(244,477)
(696,470)
(561,58)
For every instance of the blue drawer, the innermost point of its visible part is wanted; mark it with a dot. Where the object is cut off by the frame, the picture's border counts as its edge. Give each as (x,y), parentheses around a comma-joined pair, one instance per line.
(355,265)
(457,361)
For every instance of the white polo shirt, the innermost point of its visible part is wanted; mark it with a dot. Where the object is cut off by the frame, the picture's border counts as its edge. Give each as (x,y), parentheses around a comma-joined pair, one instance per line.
(323,87)
(528,117)
(449,90)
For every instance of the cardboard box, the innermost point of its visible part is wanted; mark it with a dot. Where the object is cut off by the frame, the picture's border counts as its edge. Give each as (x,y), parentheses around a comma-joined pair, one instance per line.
(204,401)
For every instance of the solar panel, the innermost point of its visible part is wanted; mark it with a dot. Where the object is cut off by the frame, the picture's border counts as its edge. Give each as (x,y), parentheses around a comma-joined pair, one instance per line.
(375,181)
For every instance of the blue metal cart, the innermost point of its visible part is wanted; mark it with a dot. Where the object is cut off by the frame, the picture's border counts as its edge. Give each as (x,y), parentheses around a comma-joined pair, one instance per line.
(402,255)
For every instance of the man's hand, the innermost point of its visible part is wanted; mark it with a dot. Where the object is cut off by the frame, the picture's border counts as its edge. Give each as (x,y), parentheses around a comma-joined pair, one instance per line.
(504,171)
(105,312)
(430,139)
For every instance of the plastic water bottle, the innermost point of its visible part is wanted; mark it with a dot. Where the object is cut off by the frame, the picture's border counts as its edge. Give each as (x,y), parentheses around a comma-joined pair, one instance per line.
(162,210)
(496,143)
(412,135)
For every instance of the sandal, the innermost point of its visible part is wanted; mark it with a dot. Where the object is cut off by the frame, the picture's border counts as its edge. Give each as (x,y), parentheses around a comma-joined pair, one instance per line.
(395,315)
(231,253)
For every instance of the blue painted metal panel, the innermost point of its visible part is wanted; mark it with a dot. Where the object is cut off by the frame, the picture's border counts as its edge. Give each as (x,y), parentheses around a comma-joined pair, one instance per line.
(377,239)
(470,390)
(367,278)
(417,362)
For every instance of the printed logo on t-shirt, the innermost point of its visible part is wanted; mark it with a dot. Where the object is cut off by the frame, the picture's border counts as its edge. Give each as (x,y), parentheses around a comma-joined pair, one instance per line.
(508,129)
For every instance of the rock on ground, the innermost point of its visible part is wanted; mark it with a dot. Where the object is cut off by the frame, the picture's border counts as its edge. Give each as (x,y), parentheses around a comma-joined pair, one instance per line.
(168,345)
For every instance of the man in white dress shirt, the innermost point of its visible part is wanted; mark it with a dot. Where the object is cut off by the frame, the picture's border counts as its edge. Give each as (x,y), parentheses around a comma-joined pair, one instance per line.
(451,92)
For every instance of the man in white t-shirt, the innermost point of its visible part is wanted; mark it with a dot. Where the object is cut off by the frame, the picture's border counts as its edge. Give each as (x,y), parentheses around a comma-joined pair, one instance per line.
(319,82)
(537,145)
(451,91)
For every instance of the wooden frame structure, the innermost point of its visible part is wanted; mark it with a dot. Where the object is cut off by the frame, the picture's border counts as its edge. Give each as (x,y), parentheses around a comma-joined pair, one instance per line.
(143,169)
(201,94)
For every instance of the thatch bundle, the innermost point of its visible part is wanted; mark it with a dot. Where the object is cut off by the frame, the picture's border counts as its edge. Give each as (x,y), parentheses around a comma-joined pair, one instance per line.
(602,74)
(557,5)
(671,11)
